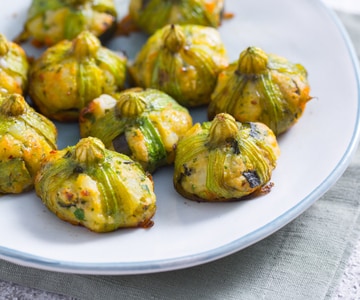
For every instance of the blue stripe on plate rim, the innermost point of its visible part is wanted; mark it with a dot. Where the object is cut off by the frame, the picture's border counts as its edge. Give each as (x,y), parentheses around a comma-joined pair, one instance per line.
(145,267)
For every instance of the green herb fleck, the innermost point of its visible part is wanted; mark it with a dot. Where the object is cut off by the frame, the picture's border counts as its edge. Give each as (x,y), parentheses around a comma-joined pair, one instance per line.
(79,214)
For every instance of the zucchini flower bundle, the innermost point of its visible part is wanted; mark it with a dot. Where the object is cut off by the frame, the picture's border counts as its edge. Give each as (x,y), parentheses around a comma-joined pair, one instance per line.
(68,75)
(197,12)
(26,138)
(14,67)
(262,87)
(144,124)
(183,61)
(99,189)
(225,160)
(51,21)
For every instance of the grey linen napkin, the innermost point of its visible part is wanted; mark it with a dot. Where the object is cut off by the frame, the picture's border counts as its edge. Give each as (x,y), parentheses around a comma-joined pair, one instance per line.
(303,260)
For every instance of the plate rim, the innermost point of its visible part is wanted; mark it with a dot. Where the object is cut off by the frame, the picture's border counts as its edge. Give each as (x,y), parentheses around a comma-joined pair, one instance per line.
(182,262)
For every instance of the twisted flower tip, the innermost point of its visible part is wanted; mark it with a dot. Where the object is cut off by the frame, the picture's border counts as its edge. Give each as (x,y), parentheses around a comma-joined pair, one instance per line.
(223,127)
(130,105)
(252,60)
(85,45)
(4,45)
(174,38)
(89,150)
(75,2)
(13,105)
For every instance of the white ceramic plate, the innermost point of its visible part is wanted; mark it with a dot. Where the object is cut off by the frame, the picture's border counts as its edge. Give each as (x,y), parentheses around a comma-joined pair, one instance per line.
(315,152)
